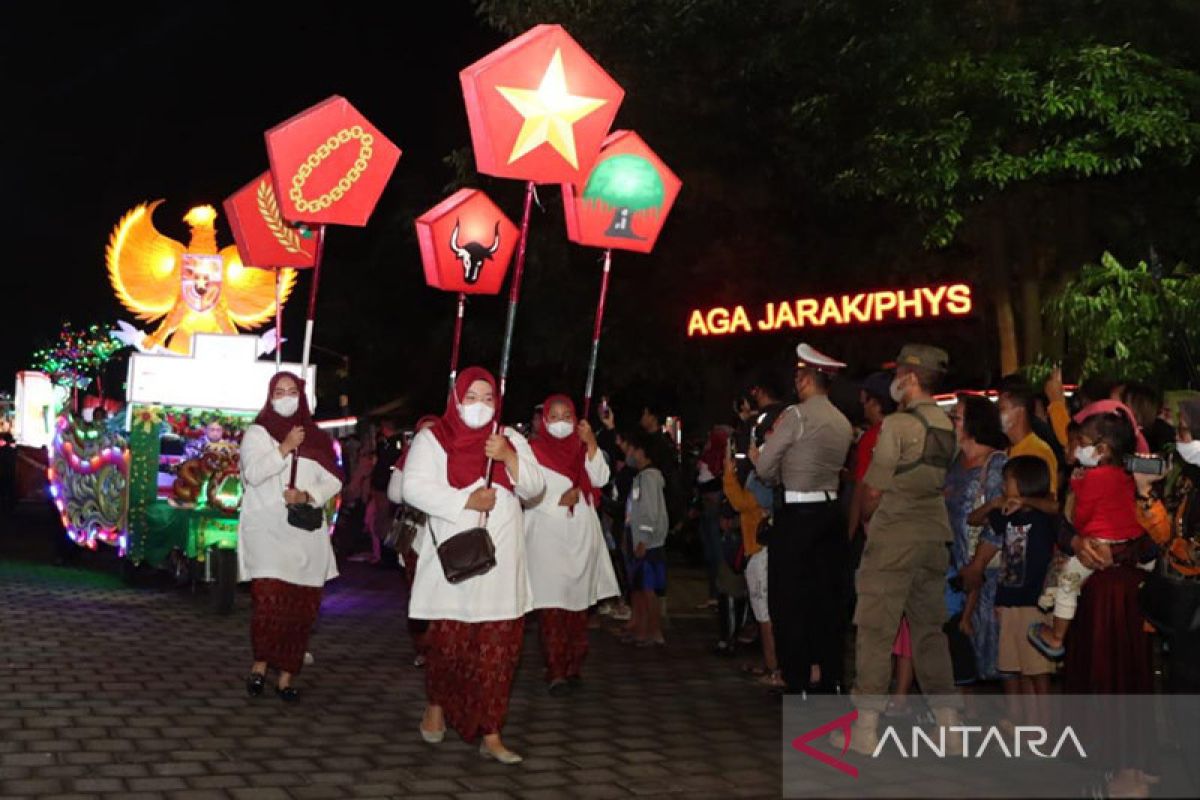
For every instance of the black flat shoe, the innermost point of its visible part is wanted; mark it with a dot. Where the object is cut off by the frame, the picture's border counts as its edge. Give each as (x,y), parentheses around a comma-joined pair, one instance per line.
(255,684)
(559,688)
(289,694)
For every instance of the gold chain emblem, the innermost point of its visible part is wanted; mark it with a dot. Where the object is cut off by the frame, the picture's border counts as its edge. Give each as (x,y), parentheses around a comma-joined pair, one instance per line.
(296,193)
(268,207)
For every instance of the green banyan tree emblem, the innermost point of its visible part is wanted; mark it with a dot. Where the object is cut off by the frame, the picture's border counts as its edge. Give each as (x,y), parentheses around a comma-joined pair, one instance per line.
(629,184)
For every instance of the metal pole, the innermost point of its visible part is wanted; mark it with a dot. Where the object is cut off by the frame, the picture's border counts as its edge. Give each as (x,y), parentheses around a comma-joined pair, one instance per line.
(514,296)
(514,293)
(458,329)
(312,302)
(591,373)
(278,319)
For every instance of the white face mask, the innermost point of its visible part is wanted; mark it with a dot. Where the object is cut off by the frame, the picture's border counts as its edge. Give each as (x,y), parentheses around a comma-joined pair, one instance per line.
(1006,420)
(897,390)
(476,415)
(286,406)
(560,429)
(1086,456)
(1189,451)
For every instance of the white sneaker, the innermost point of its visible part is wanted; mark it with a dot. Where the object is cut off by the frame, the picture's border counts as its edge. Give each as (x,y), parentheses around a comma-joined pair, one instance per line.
(308,659)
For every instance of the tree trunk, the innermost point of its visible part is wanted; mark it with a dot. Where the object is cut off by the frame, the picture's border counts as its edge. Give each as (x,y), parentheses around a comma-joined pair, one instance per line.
(1006,325)
(999,272)
(1031,315)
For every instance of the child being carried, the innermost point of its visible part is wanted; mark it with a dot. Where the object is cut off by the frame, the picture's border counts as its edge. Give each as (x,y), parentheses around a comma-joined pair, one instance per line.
(1105,511)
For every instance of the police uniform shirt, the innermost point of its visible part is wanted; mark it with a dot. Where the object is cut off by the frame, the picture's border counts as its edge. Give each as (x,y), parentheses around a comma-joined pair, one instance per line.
(913,506)
(807,448)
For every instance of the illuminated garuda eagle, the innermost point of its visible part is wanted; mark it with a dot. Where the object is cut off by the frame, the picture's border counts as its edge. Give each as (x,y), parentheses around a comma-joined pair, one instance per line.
(193,289)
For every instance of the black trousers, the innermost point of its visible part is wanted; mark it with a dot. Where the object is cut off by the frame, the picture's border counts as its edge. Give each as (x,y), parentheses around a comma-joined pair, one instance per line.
(807,592)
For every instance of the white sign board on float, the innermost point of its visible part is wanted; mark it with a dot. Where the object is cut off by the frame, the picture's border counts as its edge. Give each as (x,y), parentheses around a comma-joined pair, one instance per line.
(223,372)
(34,407)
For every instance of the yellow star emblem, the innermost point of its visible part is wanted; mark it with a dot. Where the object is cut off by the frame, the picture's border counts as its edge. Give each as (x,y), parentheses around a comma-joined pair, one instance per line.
(549,112)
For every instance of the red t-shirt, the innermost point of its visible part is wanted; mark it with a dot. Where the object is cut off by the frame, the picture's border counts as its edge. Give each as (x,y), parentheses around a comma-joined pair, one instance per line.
(1105,504)
(862,456)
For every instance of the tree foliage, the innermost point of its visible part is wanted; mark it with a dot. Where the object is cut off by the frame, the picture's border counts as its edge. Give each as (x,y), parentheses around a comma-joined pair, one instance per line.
(1129,321)
(974,124)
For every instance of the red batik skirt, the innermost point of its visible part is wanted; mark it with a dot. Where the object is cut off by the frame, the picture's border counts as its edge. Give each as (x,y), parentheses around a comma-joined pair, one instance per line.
(282,619)
(469,672)
(564,641)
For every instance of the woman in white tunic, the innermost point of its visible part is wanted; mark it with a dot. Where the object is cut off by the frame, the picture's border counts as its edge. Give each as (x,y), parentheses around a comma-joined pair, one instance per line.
(286,566)
(476,626)
(569,567)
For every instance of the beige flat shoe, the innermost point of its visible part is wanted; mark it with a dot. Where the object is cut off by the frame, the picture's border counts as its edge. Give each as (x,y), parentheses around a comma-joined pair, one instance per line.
(505,756)
(432,737)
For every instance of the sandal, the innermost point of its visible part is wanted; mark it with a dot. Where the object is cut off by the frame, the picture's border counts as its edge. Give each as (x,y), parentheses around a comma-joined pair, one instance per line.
(773,680)
(1045,648)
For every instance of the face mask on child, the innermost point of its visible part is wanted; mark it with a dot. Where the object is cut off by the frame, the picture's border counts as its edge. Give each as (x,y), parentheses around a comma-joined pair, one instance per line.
(1086,456)
(1189,451)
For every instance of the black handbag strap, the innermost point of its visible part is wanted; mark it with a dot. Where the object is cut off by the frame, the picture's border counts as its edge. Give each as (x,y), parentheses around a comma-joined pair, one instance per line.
(295,466)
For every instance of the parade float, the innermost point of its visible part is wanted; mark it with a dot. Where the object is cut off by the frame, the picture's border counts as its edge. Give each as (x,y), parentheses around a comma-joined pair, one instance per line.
(159,482)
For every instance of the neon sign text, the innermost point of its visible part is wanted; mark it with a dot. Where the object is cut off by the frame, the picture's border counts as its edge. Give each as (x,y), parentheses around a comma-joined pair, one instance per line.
(885,305)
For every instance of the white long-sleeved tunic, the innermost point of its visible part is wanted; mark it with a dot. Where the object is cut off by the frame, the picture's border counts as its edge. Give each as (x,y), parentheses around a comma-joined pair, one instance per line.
(268,547)
(569,566)
(504,592)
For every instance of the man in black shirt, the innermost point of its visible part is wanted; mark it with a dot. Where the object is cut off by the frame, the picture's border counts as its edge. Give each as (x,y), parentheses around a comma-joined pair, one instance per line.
(768,395)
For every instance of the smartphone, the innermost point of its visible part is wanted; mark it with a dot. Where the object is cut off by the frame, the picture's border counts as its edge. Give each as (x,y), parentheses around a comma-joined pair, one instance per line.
(604,407)
(1146,465)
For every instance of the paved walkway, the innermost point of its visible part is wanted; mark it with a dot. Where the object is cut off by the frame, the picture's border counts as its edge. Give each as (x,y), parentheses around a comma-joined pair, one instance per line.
(113,692)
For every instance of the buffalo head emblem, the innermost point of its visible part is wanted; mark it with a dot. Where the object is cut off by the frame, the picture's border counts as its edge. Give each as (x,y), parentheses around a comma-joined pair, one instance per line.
(473,254)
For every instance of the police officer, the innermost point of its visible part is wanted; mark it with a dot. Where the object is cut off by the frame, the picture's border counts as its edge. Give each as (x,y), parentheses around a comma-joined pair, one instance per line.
(806,575)
(903,568)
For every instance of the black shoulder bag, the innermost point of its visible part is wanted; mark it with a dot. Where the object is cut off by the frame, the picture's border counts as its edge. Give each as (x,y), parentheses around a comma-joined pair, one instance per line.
(302,515)
(469,553)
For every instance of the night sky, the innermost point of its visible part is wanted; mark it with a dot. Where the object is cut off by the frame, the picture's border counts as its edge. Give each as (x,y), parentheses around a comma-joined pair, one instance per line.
(115,104)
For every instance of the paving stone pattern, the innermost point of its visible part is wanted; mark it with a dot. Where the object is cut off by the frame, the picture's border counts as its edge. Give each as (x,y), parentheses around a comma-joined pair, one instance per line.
(112,692)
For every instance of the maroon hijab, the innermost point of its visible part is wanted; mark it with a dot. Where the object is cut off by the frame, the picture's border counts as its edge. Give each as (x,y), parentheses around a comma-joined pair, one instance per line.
(565,456)
(714,453)
(428,419)
(465,459)
(317,445)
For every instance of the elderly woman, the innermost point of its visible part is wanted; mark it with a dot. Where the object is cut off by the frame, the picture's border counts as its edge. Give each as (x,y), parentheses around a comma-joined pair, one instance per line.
(285,460)
(974,479)
(476,624)
(569,567)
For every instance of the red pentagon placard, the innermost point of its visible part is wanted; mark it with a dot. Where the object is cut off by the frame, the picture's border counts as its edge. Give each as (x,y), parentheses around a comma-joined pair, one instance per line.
(466,243)
(539,107)
(626,198)
(329,164)
(263,238)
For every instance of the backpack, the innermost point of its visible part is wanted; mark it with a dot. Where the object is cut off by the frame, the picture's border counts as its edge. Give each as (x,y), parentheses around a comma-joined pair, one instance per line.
(938,450)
